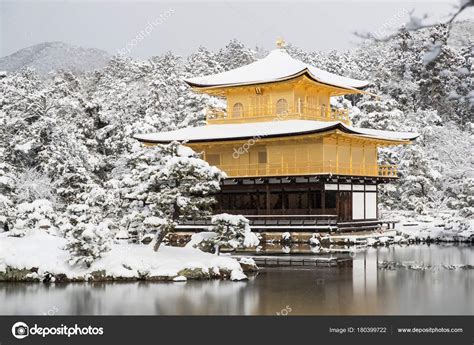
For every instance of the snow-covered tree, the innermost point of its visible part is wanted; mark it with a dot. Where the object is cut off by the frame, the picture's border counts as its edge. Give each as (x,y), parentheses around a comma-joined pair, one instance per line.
(202,62)
(235,55)
(31,185)
(378,114)
(182,188)
(39,214)
(7,196)
(88,236)
(162,186)
(232,231)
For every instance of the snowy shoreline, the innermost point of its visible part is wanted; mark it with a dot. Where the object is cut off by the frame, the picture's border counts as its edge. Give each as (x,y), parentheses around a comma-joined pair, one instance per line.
(40,257)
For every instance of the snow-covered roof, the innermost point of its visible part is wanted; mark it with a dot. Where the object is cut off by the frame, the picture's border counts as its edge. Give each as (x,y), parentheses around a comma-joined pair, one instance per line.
(238,131)
(276,66)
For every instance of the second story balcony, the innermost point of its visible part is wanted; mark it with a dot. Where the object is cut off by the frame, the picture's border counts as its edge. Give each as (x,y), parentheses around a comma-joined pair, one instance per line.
(270,112)
(309,168)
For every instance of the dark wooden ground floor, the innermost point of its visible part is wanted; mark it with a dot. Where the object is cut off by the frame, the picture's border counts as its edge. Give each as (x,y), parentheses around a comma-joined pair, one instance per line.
(340,198)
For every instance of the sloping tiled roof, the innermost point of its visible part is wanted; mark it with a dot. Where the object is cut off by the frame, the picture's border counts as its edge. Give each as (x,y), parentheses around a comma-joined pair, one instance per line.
(276,66)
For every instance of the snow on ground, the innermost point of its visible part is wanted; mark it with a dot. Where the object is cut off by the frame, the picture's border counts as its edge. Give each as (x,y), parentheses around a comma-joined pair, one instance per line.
(37,249)
(441,227)
(44,251)
(412,227)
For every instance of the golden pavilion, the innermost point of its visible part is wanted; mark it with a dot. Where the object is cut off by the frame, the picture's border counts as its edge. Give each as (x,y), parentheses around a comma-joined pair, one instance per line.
(292,160)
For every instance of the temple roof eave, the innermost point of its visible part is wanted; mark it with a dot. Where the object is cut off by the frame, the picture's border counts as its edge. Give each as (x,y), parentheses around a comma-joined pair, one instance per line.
(242,132)
(277,66)
(219,90)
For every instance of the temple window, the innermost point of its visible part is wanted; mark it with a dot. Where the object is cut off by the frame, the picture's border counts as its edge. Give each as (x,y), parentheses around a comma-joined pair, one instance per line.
(281,107)
(238,110)
(330,199)
(315,199)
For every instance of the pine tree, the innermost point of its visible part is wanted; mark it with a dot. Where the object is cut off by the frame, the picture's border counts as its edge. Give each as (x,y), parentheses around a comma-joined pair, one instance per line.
(88,237)
(180,187)
(231,231)
(202,62)
(235,55)
(7,196)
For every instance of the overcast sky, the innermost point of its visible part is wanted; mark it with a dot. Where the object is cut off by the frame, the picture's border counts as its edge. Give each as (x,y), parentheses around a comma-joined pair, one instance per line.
(181,27)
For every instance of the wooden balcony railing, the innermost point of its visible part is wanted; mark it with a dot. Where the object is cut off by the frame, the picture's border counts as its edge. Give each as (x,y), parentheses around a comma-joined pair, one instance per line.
(268,112)
(308,168)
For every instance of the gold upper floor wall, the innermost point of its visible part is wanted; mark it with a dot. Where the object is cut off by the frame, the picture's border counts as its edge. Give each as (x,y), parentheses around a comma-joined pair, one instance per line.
(315,154)
(300,98)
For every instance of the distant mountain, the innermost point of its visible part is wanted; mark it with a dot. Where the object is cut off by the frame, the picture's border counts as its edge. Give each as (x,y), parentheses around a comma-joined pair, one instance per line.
(48,56)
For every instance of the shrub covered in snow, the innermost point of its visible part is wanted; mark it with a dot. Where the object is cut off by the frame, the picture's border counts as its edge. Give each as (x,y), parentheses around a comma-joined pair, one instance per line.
(202,241)
(315,240)
(7,196)
(88,237)
(32,185)
(88,242)
(232,231)
(286,237)
(6,213)
(38,214)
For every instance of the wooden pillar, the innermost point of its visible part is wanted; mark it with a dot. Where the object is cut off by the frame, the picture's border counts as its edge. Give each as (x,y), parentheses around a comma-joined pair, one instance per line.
(309,196)
(377,163)
(323,199)
(282,193)
(267,189)
(364,170)
(351,170)
(377,201)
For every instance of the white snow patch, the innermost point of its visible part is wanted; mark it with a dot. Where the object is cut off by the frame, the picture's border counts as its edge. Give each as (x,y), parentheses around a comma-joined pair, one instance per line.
(237,275)
(372,241)
(154,221)
(251,239)
(25,147)
(314,240)
(123,260)
(247,261)
(199,237)
(121,235)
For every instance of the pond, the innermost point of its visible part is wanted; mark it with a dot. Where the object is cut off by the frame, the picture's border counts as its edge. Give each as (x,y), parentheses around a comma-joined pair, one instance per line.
(362,289)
